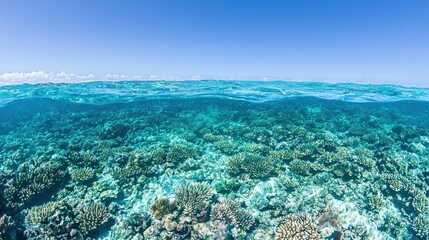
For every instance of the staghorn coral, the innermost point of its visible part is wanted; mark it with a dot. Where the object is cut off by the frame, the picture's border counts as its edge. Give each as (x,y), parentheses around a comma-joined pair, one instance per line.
(180,152)
(41,214)
(7,228)
(162,207)
(420,202)
(375,201)
(230,211)
(255,165)
(394,182)
(297,227)
(234,163)
(30,183)
(53,220)
(421,225)
(226,146)
(82,158)
(171,154)
(209,137)
(192,197)
(300,167)
(82,175)
(91,217)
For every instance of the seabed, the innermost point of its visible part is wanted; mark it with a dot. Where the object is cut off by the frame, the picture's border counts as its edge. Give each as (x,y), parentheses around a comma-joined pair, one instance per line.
(210,165)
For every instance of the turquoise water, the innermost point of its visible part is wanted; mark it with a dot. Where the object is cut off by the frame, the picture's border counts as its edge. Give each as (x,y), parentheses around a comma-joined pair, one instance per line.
(214,160)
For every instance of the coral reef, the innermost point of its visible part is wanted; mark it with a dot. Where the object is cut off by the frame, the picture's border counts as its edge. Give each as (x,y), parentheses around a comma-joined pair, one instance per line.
(212,168)
(51,220)
(7,228)
(421,225)
(92,216)
(192,197)
(230,211)
(28,184)
(296,227)
(82,175)
(162,207)
(255,165)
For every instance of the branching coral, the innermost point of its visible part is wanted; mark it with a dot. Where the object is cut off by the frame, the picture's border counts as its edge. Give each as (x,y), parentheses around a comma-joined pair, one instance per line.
(300,167)
(230,211)
(375,201)
(41,214)
(297,227)
(82,175)
(420,202)
(192,197)
(30,183)
(421,225)
(92,216)
(53,220)
(162,207)
(226,146)
(7,228)
(255,165)
(172,154)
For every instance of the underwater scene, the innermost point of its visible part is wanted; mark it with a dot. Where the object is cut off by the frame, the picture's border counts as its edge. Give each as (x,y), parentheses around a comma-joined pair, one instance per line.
(214,160)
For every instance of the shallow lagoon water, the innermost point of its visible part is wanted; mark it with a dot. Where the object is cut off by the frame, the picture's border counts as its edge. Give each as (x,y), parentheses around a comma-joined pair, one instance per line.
(214,160)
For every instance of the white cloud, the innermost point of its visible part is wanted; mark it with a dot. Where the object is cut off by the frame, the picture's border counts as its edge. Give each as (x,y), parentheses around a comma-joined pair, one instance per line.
(42,77)
(14,78)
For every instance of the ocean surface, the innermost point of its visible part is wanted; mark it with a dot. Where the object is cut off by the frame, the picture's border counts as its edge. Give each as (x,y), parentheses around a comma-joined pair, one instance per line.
(214,160)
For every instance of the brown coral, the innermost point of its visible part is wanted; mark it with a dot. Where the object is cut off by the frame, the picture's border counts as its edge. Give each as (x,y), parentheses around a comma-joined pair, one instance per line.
(162,207)
(297,227)
(92,216)
(231,211)
(194,196)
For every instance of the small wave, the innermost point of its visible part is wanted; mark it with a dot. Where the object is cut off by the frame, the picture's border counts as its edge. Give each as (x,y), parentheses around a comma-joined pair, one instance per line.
(253,91)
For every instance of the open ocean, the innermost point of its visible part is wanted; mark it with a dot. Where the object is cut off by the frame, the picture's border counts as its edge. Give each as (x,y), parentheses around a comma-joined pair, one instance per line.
(214,160)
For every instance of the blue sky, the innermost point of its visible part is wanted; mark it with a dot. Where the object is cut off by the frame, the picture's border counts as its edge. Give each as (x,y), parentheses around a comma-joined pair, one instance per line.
(354,40)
